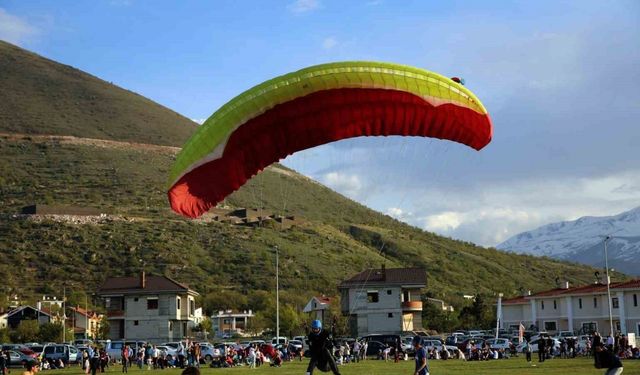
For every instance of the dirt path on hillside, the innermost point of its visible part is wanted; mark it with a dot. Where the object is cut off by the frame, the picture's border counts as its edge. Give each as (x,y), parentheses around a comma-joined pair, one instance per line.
(71,140)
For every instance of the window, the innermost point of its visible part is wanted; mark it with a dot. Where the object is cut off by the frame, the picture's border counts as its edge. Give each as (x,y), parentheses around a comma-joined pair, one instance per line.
(555,305)
(135,323)
(135,299)
(580,302)
(635,300)
(192,307)
(178,301)
(595,302)
(614,302)
(372,297)
(390,315)
(152,304)
(170,326)
(550,326)
(389,291)
(542,305)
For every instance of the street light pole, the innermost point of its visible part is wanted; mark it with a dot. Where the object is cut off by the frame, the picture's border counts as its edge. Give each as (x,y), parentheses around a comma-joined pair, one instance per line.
(277,302)
(606,264)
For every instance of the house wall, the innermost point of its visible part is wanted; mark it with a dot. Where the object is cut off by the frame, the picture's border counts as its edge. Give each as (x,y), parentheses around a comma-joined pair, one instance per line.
(385,315)
(141,321)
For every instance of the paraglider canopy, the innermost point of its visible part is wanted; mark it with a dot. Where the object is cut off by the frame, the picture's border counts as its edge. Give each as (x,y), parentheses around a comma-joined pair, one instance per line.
(314,106)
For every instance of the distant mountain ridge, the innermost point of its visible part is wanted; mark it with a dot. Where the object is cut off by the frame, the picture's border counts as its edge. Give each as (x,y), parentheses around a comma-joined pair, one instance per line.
(582,241)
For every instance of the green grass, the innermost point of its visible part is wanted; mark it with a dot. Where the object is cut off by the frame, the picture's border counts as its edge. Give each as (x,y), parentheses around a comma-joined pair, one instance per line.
(514,366)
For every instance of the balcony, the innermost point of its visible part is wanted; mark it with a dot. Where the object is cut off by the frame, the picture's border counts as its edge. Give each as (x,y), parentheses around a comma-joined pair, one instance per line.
(412,306)
(115,314)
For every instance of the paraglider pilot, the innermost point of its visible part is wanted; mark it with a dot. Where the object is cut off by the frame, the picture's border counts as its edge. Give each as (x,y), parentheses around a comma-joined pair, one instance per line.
(320,345)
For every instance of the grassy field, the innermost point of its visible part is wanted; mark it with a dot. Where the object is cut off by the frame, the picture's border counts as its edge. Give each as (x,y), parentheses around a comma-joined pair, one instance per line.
(514,366)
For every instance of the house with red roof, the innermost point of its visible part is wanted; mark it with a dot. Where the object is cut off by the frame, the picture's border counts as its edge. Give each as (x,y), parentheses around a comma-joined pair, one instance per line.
(150,308)
(582,308)
(317,306)
(386,300)
(85,323)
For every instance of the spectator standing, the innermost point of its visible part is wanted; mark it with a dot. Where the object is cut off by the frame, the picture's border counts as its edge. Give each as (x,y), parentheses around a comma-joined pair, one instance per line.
(422,367)
(542,349)
(125,358)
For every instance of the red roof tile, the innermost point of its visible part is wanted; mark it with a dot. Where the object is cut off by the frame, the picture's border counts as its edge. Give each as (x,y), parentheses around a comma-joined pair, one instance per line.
(514,300)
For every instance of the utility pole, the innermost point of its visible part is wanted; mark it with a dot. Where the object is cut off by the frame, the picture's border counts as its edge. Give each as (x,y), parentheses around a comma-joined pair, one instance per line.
(277,301)
(86,315)
(606,264)
(64,313)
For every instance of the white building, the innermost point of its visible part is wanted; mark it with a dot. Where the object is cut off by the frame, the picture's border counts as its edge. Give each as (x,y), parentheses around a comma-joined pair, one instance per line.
(231,323)
(383,300)
(582,308)
(150,308)
(317,306)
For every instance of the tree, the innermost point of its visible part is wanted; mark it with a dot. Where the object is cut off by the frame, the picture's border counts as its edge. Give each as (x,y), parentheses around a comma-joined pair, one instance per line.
(4,335)
(258,324)
(205,326)
(27,331)
(103,331)
(50,332)
(478,315)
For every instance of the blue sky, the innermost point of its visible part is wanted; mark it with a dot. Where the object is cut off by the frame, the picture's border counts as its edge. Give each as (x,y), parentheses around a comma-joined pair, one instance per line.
(560,79)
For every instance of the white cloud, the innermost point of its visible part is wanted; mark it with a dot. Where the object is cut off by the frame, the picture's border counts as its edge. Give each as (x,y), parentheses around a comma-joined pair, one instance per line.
(492,213)
(303,6)
(347,184)
(399,213)
(14,29)
(329,43)
(199,121)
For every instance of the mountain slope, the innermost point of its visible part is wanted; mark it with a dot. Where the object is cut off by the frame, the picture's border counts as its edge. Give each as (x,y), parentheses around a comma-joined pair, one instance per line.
(582,241)
(338,237)
(40,96)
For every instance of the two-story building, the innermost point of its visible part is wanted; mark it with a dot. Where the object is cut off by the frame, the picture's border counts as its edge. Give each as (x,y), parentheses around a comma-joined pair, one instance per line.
(85,323)
(228,323)
(383,300)
(151,308)
(317,306)
(582,308)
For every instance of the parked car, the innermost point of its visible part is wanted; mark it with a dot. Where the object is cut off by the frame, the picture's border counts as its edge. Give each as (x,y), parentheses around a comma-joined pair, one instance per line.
(374,348)
(473,340)
(534,345)
(67,353)
(296,345)
(279,341)
(114,349)
(498,344)
(168,351)
(208,352)
(303,339)
(565,335)
(37,348)
(18,359)
(455,339)
(389,340)
(20,348)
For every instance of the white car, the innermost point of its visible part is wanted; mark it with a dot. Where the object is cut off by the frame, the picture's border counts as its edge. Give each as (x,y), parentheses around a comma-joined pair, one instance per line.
(534,345)
(498,343)
(168,351)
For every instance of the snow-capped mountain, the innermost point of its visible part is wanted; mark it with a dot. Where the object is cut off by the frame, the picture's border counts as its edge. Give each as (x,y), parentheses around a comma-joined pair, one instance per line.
(582,241)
